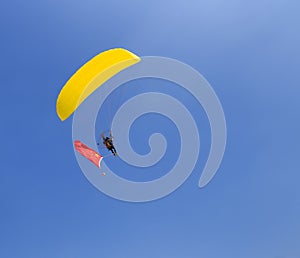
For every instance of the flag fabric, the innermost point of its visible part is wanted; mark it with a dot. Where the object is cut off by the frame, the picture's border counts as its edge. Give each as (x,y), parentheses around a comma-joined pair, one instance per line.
(88,153)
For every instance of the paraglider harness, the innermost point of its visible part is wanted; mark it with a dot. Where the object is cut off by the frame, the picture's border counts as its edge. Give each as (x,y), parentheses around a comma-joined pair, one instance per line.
(108,143)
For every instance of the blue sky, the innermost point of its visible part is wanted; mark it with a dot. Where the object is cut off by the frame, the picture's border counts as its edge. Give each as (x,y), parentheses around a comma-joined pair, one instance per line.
(247,50)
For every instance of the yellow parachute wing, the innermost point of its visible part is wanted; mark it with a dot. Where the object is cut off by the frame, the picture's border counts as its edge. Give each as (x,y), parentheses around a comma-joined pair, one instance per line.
(91,76)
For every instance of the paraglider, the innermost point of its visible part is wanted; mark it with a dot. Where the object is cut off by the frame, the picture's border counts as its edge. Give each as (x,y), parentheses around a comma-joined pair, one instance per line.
(108,142)
(83,83)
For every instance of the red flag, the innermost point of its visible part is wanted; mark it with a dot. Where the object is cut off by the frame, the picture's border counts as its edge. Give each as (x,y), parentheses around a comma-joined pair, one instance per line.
(88,153)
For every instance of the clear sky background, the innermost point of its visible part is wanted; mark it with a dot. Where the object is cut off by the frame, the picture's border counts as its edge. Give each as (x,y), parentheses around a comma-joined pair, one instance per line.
(248,51)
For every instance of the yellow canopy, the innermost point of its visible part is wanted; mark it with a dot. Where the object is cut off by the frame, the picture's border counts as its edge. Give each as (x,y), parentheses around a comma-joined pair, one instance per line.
(91,76)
